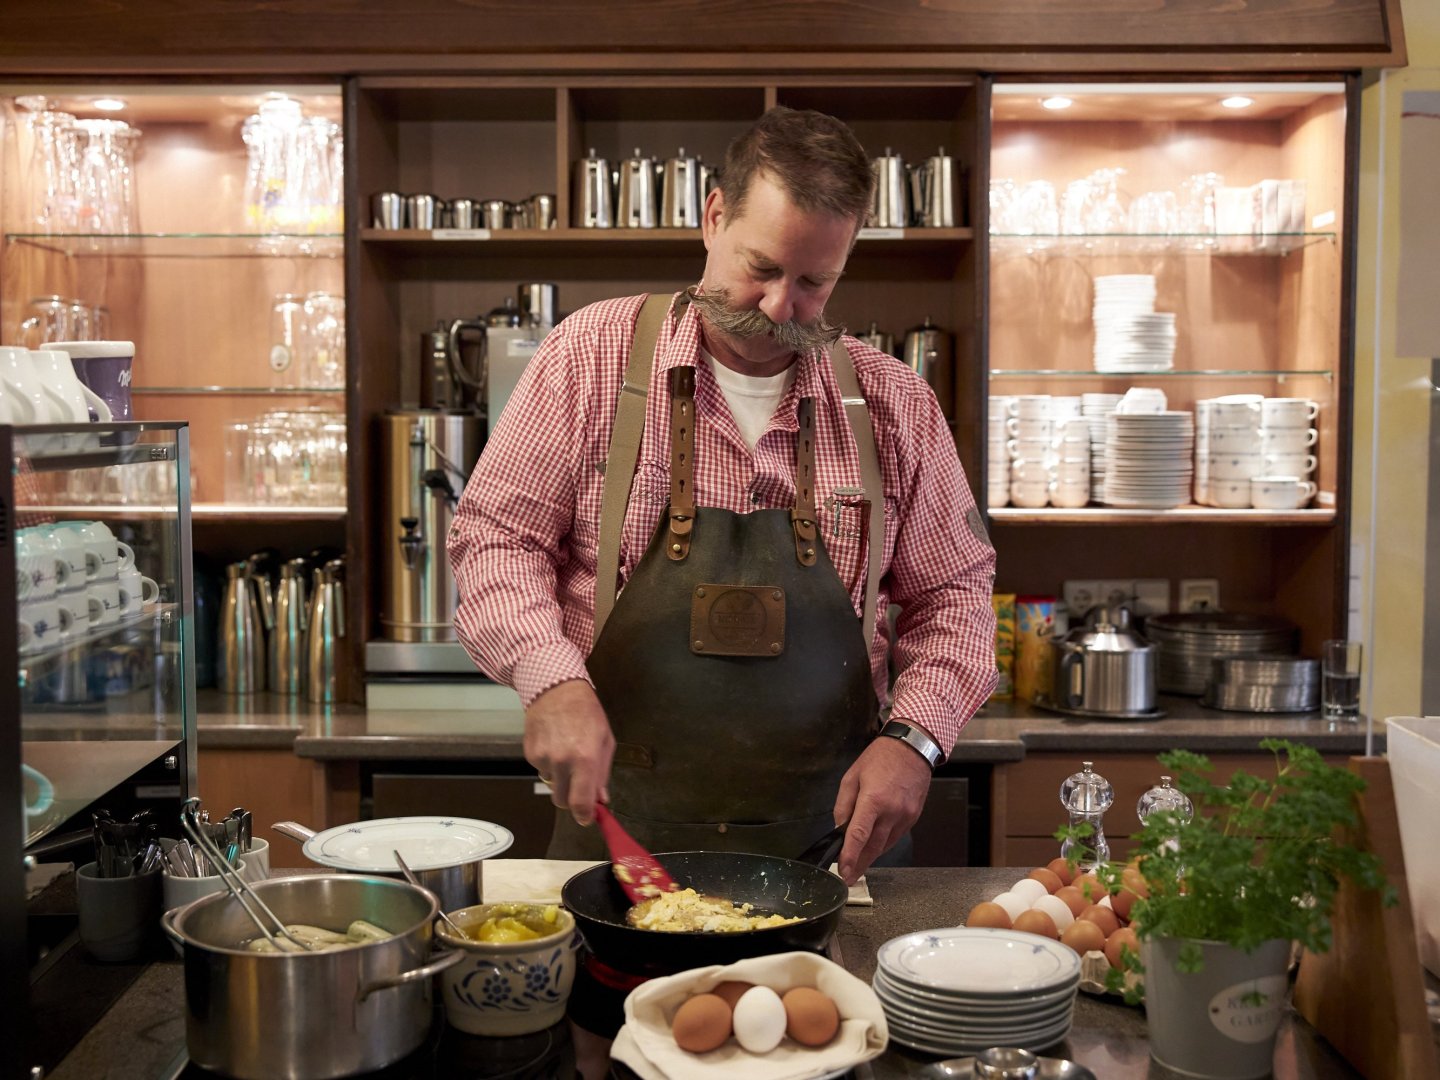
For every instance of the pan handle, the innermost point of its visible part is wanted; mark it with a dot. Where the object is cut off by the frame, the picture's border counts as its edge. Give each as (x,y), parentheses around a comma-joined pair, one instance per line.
(420,974)
(824,851)
(294,830)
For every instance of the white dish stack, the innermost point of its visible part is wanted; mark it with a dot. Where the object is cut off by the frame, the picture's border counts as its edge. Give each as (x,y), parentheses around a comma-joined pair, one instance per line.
(997,457)
(1033,456)
(1254,451)
(1130,335)
(1096,409)
(960,990)
(1149,452)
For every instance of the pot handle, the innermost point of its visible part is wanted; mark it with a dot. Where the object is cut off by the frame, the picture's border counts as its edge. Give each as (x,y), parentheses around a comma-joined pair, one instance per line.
(294,830)
(420,974)
(167,923)
(1070,679)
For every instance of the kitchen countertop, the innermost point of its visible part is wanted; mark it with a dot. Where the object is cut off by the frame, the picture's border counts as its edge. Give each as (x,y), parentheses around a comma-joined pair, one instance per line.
(1003,731)
(142,1036)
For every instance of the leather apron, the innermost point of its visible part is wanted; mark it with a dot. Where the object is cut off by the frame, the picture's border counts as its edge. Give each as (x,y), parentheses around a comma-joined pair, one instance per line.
(733,669)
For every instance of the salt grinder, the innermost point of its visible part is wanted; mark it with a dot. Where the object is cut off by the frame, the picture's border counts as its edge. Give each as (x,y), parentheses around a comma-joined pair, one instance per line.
(1164,797)
(1086,796)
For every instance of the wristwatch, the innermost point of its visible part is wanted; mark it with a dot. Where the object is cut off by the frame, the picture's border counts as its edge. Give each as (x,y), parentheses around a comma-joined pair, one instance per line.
(916,739)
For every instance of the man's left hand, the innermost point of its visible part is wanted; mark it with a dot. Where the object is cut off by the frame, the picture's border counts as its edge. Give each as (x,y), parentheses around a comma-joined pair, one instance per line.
(882,794)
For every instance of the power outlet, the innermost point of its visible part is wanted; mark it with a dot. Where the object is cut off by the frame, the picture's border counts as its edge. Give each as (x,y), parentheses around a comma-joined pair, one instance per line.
(1080,597)
(1113,593)
(1199,594)
(1152,596)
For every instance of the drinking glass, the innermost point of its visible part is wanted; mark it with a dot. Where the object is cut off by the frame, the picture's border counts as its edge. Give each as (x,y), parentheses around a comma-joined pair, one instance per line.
(1002,200)
(1105,209)
(287,342)
(1199,201)
(1035,211)
(1072,207)
(53,170)
(1340,679)
(105,184)
(325,349)
(47,318)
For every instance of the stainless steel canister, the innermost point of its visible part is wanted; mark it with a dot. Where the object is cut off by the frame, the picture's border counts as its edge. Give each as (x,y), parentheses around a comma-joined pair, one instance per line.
(387,210)
(880,339)
(930,352)
(889,204)
(463,214)
(421,211)
(537,212)
(287,638)
(428,455)
(591,198)
(538,300)
(680,193)
(636,200)
(495,214)
(932,191)
(324,630)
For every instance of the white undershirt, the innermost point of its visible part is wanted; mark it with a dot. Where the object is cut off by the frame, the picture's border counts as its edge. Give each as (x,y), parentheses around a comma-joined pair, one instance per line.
(752,398)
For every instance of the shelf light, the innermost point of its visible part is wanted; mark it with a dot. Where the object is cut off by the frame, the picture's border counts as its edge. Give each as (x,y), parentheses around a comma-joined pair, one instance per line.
(1056,103)
(1237,101)
(108,104)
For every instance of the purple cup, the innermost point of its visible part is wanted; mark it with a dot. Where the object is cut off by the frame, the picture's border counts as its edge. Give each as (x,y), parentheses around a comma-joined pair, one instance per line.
(104,366)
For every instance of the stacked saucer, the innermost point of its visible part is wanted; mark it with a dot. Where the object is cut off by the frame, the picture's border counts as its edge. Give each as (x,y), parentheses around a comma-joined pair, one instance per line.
(962,989)
(1096,409)
(1149,459)
(1130,335)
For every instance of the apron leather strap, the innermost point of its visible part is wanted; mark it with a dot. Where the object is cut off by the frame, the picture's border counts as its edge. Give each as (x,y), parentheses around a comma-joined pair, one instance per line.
(802,514)
(682,462)
(859,417)
(624,452)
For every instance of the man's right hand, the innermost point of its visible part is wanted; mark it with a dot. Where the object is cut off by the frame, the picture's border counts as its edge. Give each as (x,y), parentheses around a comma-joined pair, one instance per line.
(568,740)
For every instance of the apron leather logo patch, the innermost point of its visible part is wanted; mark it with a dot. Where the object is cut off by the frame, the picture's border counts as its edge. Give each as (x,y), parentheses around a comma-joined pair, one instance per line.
(737,620)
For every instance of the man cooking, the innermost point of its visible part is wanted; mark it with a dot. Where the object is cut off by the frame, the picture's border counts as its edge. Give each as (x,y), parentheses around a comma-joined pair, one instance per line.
(757,492)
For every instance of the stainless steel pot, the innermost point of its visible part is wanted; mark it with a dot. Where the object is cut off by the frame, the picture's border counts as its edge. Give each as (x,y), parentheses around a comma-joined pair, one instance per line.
(1106,668)
(309,1016)
(457,886)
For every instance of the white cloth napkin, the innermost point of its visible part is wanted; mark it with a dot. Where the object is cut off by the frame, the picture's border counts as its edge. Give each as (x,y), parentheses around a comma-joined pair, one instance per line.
(645,1044)
(538,881)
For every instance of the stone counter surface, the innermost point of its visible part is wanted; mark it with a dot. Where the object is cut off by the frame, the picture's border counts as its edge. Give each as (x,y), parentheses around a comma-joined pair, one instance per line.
(1003,731)
(143,1035)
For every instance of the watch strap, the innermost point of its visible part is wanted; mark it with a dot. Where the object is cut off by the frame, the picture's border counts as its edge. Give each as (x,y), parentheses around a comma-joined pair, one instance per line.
(916,739)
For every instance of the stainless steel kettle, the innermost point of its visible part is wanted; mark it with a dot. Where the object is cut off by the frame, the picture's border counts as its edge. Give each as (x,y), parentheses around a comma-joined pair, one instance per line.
(932,192)
(635,204)
(930,353)
(246,614)
(287,638)
(1105,668)
(680,196)
(591,203)
(880,339)
(324,632)
(889,203)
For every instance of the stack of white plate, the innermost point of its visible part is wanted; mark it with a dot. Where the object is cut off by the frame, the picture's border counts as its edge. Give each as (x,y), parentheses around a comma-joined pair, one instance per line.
(1130,335)
(960,990)
(1096,409)
(1149,459)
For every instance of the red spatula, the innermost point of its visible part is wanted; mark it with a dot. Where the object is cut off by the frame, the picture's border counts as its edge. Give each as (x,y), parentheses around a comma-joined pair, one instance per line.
(640,874)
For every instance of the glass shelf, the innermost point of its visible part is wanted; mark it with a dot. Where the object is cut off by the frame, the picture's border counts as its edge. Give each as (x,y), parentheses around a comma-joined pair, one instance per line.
(1206,373)
(238,390)
(186,245)
(79,645)
(1113,515)
(205,512)
(1170,244)
(62,447)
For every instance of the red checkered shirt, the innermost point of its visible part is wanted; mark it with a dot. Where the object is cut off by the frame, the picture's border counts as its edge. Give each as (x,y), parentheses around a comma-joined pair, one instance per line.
(524,539)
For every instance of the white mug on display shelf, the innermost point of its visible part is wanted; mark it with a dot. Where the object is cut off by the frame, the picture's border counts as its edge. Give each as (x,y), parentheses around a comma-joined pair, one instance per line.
(1029,494)
(1070,493)
(136,592)
(1032,449)
(1288,464)
(1032,407)
(1284,440)
(1230,494)
(1235,466)
(1025,428)
(1280,492)
(1231,440)
(104,602)
(1032,471)
(1288,412)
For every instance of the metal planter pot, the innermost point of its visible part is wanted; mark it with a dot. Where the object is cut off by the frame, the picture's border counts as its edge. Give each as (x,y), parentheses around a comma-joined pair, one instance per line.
(1218,1023)
(309,1016)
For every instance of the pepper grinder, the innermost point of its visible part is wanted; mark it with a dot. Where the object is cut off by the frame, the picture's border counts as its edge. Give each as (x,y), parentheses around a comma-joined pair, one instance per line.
(1086,796)
(1164,797)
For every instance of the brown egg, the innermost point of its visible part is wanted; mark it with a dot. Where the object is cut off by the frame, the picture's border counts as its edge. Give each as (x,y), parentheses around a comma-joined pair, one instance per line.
(1090,887)
(989,915)
(1061,868)
(1102,917)
(1073,900)
(811,1018)
(1122,902)
(1135,882)
(731,991)
(1037,922)
(1048,878)
(701,1024)
(1123,938)
(1083,937)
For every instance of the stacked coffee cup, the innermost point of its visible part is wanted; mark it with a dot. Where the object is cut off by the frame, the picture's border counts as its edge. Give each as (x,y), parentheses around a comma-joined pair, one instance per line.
(1032,448)
(997,477)
(1287,440)
(1252,450)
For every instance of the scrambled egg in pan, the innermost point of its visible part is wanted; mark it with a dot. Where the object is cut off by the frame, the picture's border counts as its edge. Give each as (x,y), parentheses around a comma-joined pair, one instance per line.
(687,910)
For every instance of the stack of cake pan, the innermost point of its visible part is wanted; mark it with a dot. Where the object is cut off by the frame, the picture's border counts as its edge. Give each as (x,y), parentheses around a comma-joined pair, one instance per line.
(1263,684)
(1189,642)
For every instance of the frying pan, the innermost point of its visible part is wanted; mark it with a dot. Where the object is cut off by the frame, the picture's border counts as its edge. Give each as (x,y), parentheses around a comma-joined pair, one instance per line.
(774,885)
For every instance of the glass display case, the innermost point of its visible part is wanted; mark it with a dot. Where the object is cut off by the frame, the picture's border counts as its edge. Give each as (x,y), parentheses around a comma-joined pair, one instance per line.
(97,708)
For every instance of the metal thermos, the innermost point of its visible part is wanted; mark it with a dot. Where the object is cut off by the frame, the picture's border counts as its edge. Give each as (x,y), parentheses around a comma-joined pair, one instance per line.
(496,214)
(537,212)
(929,351)
(591,204)
(245,616)
(421,211)
(538,300)
(680,196)
(287,638)
(428,456)
(463,214)
(636,199)
(932,192)
(324,631)
(879,339)
(468,382)
(438,388)
(889,205)
(709,181)
(387,210)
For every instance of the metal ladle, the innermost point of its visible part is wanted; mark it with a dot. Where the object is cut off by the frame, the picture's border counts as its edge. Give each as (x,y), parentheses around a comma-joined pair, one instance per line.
(413,880)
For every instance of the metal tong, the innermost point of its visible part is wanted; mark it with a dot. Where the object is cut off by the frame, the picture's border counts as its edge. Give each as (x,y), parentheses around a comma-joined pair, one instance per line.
(239,888)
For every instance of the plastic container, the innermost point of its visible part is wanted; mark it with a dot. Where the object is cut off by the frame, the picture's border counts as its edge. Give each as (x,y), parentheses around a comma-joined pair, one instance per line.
(1413,747)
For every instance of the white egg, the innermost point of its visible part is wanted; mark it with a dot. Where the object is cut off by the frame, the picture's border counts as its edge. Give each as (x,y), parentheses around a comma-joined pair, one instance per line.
(1105,902)
(1029,889)
(1057,909)
(759,1020)
(1012,904)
